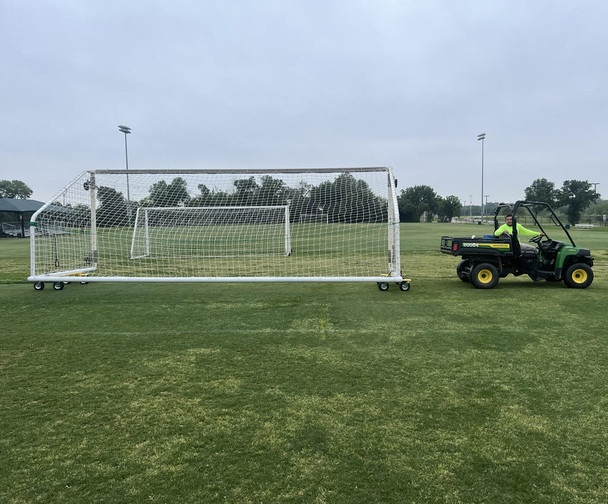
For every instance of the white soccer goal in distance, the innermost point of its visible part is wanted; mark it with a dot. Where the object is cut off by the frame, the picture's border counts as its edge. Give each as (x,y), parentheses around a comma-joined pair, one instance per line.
(217,231)
(291,225)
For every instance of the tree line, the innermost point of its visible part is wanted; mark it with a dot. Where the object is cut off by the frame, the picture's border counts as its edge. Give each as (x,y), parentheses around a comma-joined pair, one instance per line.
(344,200)
(574,197)
(418,200)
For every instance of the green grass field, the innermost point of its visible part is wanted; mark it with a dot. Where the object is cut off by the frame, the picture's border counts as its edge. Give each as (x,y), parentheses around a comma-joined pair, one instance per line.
(320,393)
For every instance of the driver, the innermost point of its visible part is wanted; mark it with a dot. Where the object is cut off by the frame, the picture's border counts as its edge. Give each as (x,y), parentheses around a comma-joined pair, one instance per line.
(507,229)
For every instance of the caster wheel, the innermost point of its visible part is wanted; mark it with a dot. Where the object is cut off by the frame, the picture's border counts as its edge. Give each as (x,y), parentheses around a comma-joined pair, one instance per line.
(83,283)
(58,286)
(383,286)
(404,286)
(39,286)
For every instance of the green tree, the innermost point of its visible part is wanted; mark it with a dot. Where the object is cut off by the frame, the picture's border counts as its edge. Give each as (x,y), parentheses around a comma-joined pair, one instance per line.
(272,191)
(576,195)
(415,201)
(299,201)
(158,193)
(449,207)
(204,198)
(178,192)
(347,199)
(207,197)
(204,191)
(14,189)
(542,190)
(112,210)
(246,191)
(169,195)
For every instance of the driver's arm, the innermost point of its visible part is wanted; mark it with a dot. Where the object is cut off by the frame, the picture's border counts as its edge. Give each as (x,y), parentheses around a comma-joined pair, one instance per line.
(502,229)
(527,232)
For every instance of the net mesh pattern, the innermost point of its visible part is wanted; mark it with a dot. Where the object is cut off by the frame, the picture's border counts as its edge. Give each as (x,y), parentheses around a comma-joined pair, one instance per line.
(206,224)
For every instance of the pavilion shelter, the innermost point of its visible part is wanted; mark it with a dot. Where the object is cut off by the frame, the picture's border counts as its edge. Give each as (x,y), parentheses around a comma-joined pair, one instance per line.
(15,215)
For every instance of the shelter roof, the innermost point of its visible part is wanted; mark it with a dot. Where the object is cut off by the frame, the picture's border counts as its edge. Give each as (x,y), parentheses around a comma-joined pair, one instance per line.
(19,205)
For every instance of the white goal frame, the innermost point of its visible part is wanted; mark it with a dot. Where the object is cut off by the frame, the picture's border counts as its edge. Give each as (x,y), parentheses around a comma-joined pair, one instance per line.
(142,216)
(70,238)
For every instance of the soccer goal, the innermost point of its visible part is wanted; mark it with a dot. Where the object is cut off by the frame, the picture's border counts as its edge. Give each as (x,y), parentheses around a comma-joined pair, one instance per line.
(219,231)
(292,225)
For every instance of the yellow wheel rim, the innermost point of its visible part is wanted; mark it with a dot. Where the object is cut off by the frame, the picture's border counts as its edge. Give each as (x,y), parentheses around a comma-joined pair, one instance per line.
(579,276)
(484,276)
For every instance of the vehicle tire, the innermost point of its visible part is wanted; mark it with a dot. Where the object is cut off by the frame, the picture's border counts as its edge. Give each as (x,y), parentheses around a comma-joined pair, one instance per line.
(579,276)
(58,285)
(404,286)
(38,286)
(484,276)
(462,270)
(383,286)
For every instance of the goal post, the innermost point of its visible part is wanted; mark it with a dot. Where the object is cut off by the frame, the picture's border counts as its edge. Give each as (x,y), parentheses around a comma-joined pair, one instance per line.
(293,225)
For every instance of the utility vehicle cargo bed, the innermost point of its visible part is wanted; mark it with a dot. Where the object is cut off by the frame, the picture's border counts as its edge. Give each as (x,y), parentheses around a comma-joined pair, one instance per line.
(486,245)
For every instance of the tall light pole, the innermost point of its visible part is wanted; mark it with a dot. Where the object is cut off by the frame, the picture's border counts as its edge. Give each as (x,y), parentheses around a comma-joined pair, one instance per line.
(127,131)
(482,137)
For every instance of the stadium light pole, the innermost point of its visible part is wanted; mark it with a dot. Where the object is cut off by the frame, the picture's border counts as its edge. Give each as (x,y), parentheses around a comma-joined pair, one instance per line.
(127,131)
(482,137)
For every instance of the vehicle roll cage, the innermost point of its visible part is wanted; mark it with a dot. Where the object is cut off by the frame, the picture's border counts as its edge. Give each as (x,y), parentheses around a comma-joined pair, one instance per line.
(533,210)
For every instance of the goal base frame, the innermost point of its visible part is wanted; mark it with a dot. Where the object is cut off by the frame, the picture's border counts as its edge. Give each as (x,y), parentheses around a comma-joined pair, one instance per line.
(249,279)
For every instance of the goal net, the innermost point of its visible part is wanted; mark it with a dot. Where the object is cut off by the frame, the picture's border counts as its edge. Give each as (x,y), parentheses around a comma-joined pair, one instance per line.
(220,225)
(219,231)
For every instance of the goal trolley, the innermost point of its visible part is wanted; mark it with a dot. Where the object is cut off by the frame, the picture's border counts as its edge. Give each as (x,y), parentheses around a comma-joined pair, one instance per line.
(262,225)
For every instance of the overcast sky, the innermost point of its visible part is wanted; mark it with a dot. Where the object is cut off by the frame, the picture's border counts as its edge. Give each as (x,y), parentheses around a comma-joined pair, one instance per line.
(308,83)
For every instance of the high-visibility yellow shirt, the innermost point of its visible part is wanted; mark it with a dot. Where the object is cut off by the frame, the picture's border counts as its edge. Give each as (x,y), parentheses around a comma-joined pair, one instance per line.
(520,230)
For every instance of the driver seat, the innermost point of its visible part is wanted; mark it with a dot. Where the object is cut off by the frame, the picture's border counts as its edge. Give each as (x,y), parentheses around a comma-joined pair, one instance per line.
(529,253)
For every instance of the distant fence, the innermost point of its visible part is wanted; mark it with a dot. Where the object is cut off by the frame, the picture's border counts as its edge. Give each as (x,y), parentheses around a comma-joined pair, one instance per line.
(587,221)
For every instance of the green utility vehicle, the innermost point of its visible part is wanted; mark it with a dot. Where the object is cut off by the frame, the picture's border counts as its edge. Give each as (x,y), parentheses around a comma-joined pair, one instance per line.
(486,259)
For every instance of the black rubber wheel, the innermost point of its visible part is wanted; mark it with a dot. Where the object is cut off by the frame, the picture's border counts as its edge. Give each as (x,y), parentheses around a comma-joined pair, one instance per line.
(38,286)
(484,276)
(58,285)
(383,286)
(579,276)
(404,286)
(462,270)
